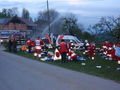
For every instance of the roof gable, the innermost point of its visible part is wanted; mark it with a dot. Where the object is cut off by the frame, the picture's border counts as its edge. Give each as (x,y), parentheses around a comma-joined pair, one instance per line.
(27,22)
(7,20)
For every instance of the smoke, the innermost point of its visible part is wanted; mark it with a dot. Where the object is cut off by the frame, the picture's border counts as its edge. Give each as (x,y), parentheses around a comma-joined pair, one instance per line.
(54,26)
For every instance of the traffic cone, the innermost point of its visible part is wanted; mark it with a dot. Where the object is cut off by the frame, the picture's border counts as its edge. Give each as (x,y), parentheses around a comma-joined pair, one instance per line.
(57,55)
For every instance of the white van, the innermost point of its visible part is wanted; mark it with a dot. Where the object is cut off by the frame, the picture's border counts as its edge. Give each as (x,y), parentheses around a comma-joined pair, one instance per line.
(69,38)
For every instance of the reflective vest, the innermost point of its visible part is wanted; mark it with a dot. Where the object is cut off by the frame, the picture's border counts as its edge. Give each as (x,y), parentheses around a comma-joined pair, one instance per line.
(29,42)
(37,42)
(63,47)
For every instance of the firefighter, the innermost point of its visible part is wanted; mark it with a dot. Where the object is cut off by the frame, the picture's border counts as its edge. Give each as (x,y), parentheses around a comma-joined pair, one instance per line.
(14,45)
(33,46)
(105,46)
(69,45)
(38,49)
(72,55)
(29,44)
(42,44)
(63,50)
(91,51)
(10,43)
(86,45)
(111,53)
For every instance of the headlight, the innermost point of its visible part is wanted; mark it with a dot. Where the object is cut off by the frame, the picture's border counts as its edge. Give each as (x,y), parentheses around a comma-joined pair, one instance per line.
(1,40)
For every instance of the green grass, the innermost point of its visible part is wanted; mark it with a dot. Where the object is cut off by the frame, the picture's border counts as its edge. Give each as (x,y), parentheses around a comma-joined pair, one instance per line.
(107,71)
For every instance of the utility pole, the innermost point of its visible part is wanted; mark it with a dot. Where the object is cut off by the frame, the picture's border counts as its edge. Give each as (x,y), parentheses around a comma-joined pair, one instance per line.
(48,17)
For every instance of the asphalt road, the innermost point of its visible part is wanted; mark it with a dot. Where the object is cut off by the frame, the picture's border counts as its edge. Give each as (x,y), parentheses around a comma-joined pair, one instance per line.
(19,73)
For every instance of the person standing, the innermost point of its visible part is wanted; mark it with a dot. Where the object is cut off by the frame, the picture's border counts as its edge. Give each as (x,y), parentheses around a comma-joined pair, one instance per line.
(14,45)
(38,49)
(63,50)
(86,45)
(42,44)
(29,44)
(91,51)
(10,44)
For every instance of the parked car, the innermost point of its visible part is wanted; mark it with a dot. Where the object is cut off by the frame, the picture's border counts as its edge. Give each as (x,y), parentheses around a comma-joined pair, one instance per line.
(69,38)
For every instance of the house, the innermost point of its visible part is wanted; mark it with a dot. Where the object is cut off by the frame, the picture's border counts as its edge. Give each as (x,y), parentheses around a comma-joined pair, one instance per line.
(16,27)
(17,24)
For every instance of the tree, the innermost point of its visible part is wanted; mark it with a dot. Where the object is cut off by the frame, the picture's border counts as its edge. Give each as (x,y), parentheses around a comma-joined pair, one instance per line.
(4,12)
(9,12)
(25,14)
(70,26)
(42,20)
(116,33)
(13,12)
(2,15)
(43,15)
(108,25)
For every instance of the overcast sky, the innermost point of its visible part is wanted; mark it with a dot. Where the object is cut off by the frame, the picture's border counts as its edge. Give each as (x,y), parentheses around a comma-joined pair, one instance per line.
(87,11)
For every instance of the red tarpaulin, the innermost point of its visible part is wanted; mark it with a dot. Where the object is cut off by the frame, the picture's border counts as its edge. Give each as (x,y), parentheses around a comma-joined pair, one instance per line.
(47,36)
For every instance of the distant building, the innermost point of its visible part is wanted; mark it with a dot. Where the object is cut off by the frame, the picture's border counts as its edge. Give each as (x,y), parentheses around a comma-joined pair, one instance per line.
(17,24)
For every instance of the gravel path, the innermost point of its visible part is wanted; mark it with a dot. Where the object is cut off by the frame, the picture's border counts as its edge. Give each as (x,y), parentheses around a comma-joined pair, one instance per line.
(19,73)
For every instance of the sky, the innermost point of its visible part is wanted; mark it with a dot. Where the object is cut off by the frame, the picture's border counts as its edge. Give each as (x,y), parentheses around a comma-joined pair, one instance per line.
(88,12)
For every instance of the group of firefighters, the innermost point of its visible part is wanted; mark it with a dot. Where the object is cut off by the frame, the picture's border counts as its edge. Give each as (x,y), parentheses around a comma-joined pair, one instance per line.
(65,50)
(110,51)
(38,45)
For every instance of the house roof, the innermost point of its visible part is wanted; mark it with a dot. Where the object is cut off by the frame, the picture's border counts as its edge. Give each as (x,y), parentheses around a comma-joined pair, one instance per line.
(4,20)
(26,21)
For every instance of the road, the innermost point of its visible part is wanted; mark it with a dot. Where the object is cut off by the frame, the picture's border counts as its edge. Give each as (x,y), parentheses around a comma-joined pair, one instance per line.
(19,73)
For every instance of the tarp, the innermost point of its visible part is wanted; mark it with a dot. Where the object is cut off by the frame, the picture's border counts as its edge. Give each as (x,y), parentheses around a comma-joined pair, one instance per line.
(117,51)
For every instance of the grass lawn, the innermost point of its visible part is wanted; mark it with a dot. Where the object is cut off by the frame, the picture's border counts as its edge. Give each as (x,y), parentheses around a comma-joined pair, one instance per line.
(108,70)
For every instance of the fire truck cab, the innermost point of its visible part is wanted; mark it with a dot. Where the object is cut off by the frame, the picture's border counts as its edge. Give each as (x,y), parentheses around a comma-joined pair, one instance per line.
(69,38)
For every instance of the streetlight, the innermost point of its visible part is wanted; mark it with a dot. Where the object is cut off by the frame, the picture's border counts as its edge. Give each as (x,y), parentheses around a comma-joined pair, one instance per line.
(48,17)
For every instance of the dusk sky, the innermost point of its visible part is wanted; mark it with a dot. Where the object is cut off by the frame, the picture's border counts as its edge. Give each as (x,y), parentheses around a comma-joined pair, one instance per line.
(87,11)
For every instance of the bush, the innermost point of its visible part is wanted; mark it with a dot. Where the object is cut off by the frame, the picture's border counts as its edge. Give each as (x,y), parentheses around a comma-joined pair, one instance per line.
(5,44)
